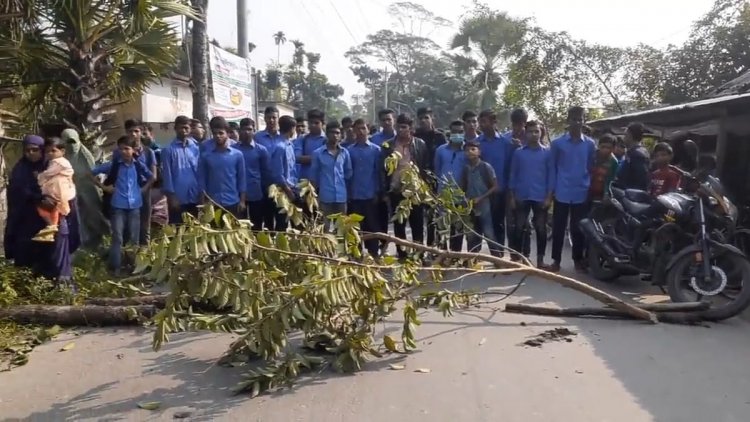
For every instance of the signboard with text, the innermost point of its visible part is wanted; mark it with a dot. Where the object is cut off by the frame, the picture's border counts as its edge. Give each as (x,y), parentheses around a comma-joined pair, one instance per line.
(232,83)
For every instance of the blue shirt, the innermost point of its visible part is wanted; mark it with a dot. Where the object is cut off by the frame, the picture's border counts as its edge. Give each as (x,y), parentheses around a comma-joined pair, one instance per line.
(282,163)
(449,164)
(365,181)
(307,145)
(267,140)
(498,152)
(127,194)
(147,156)
(256,169)
(572,162)
(330,174)
(381,137)
(210,144)
(531,174)
(221,176)
(179,168)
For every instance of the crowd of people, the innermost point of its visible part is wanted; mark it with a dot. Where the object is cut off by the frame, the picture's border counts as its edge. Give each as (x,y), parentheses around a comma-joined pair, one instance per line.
(512,179)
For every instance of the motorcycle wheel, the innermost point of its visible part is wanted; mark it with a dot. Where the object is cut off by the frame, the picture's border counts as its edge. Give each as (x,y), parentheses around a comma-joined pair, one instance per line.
(680,289)
(598,265)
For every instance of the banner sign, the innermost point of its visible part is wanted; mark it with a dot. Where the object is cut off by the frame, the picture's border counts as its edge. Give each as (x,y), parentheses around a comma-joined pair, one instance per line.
(232,81)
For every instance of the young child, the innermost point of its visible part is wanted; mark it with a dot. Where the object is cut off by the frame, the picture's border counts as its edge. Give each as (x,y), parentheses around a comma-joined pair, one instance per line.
(478,183)
(605,168)
(664,178)
(56,182)
(126,178)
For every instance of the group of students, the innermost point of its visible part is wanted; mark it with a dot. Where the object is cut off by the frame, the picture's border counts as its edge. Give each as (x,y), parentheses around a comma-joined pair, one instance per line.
(513,177)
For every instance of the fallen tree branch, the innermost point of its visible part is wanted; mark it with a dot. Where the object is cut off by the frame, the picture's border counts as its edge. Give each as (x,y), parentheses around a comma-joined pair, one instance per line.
(668,317)
(674,307)
(576,285)
(155,300)
(92,315)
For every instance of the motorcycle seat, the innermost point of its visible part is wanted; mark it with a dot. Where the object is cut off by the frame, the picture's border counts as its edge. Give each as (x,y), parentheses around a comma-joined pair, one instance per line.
(637,195)
(636,209)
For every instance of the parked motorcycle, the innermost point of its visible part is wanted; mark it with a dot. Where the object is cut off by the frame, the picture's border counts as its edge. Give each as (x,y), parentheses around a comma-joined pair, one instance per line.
(677,240)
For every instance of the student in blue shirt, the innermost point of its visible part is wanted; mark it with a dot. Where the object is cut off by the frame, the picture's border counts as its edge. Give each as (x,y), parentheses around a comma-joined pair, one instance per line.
(282,169)
(126,180)
(450,162)
(347,127)
(268,138)
(498,152)
(364,186)
(217,122)
(530,192)
(221,173)
(256,171)
(517,133)
(387,118)
(301,126)
(306,145)
(179,170)
(471,126)
(330,172)
(572,160)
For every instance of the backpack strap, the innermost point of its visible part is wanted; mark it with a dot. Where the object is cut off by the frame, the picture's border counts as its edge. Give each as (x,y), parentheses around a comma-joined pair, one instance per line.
(112,175)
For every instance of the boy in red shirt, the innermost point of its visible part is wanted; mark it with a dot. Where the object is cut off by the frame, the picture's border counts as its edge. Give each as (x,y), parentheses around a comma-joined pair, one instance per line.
(605,168)
(664,179)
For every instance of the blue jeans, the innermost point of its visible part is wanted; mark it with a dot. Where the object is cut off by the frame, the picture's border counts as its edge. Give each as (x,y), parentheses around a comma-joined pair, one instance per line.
(483,226)
(122,220)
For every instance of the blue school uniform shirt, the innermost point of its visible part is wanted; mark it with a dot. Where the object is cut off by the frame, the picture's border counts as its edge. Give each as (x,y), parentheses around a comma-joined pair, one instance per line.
(572,162)
(365,181)
(179,169)
(498,152)
(146,155)
(256,169)
(307,145)
(210,144)
(221,175)
(267,139)
(380,137)
(282,163)
(531,174)
(449,164)
(127,194)
(330,174)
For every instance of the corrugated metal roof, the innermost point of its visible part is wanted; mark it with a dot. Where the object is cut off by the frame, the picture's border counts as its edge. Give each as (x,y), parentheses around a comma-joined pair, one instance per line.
(739,85)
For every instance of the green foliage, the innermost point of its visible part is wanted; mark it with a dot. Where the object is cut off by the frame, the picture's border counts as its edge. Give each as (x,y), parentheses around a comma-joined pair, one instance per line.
(264,287)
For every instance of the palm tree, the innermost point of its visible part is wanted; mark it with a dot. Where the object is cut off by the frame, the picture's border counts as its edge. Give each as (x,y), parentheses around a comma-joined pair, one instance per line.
(298,59)
(199,61)
(490,38)
(279,38)
(74,59)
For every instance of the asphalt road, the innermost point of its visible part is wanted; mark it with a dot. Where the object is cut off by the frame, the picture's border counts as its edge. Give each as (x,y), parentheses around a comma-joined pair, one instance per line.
(610,371)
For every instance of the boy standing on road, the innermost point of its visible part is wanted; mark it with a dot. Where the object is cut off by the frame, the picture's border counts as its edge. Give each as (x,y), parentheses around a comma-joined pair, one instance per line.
(471,125)
(256,171)
(530,192)
(450,161)
(664,178)
(269,139)
(387,118)
(364,186)
(572,160)
(179,169)
(330,172)
(479,183)
(306,145)
(498,152)
(283,169)
(605,168)
(432,139)
(221,173)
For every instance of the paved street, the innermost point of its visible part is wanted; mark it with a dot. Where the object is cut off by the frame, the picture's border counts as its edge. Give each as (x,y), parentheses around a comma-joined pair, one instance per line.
(611,371)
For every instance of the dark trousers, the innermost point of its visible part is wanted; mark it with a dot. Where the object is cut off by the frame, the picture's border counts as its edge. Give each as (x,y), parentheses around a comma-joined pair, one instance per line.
(520,241)
(273,218)
(432,229)
(145,232)
(255,212)
(415,220)
(498,206)
(562,214)
(456,240)
(368,209)
(175,215)
(383,217)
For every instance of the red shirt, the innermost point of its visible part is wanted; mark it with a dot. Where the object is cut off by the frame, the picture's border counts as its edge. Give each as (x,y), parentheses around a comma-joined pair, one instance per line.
(664,180)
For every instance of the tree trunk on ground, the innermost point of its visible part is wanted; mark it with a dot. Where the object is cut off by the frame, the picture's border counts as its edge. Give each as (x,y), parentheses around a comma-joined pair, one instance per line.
(153,300)
(668,317)
(68,316)
(199,62)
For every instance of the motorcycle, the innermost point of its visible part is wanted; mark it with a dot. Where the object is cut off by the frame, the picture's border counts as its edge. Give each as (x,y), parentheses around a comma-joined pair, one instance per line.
(677,240)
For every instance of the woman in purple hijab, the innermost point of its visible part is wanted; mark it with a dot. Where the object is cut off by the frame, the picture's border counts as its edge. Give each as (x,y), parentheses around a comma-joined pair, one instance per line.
(51,260)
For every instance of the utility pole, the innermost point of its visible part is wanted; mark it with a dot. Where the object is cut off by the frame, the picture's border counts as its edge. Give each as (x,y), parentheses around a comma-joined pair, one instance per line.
(242,46)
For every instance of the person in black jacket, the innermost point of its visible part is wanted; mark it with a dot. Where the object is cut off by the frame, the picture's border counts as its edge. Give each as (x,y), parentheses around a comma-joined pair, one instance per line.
(433,139)
(634,171)
(413,151)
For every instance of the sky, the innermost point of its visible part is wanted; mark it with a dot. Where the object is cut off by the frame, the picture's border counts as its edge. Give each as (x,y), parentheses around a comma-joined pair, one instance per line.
(331,27)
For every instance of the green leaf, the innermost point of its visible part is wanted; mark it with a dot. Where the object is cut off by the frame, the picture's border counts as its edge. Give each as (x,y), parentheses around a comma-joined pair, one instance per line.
(150,405)
(390,343)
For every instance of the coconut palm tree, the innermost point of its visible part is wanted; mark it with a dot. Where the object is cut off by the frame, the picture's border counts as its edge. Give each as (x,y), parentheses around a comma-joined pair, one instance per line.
(490,38)
(279,38)
(74,59)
